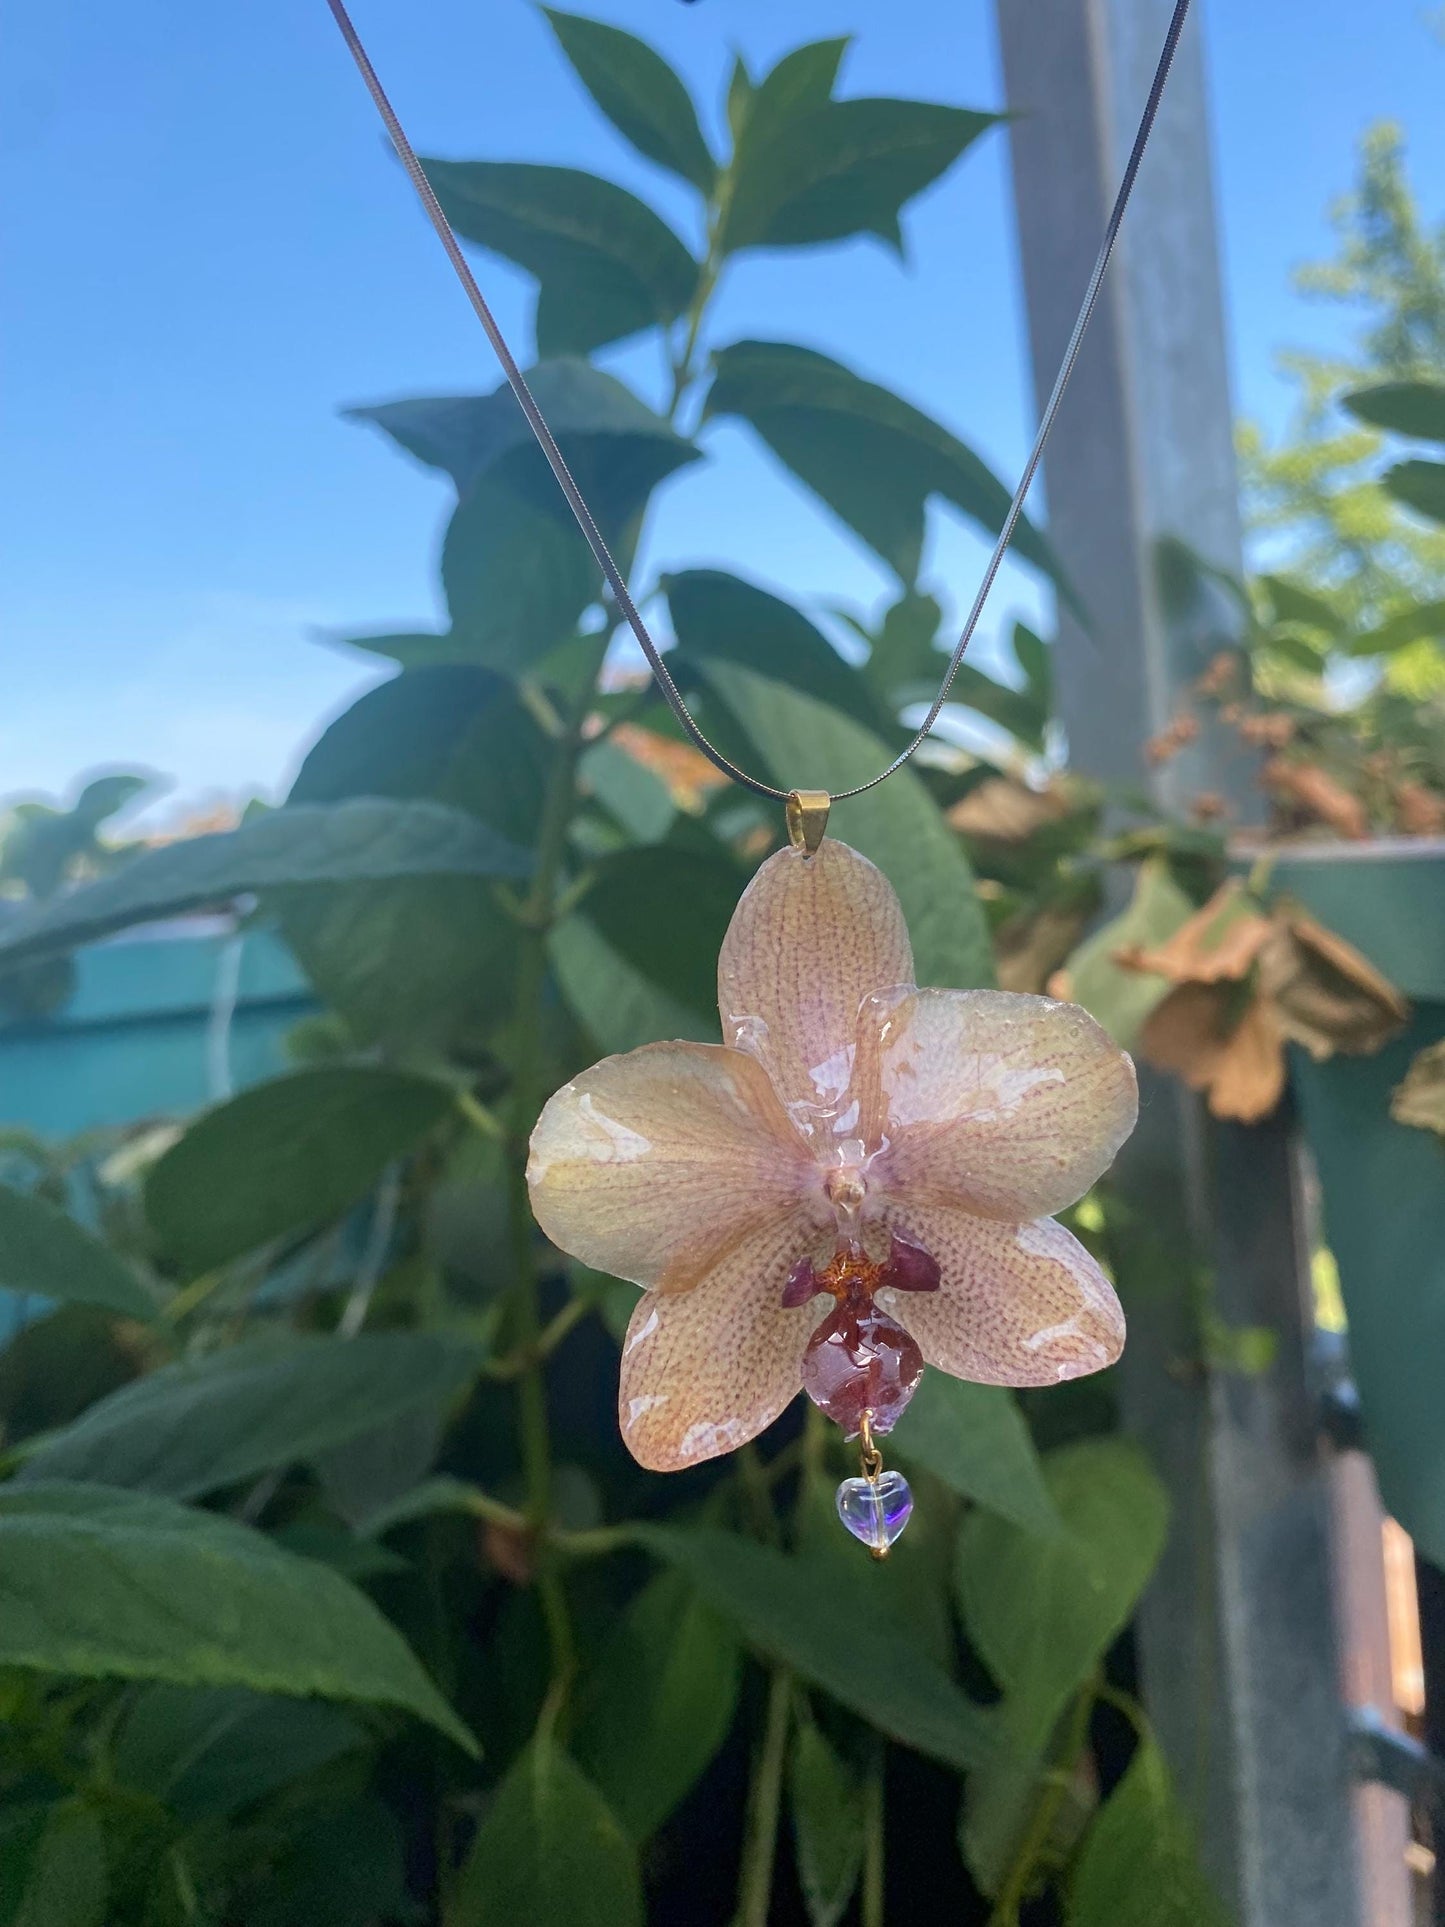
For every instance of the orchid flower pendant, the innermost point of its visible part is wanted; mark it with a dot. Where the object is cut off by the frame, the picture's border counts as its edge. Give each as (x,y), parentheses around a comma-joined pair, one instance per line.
(857,1183)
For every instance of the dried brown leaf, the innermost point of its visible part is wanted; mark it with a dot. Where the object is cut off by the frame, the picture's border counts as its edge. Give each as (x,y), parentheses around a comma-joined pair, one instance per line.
(1420,1100)
(1235,1057)
(1220,941)
(1316,795)
(1326,996)
(1003,810)
(1029,949)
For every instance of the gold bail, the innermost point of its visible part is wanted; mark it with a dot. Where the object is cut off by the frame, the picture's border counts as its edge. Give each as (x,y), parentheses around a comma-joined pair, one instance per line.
(807,815)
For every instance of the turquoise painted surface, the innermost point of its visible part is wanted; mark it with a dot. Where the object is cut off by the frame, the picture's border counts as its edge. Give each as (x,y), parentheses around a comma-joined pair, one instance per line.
(137,1040)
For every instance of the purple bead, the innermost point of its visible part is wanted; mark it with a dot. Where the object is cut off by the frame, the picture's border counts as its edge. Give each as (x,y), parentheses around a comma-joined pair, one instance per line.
(875,1511)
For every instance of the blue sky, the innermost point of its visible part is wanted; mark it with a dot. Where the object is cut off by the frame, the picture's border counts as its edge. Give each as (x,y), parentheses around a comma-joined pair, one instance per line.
(207,254)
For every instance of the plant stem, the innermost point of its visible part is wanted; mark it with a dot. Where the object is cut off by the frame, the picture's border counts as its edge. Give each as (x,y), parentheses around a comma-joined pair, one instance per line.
(765,1799)
(1052,1790)
(526,1101)
(871,1905)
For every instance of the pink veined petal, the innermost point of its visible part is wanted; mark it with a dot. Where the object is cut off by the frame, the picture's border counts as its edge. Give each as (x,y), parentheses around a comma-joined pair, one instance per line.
(1018,1304)
(653,1165)
(1007,1105)
(809,940)
(705,1372)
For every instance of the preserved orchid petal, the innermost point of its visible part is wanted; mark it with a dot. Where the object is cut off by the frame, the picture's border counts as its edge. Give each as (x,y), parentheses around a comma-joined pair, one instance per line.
(809,940)
(704,1371)
(1018,1304)
(653,1165)
(1007,1105)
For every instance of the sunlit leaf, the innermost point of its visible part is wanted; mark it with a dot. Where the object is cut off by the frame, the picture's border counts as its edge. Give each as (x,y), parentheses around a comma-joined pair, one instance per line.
(973,1437)
(1139,1866)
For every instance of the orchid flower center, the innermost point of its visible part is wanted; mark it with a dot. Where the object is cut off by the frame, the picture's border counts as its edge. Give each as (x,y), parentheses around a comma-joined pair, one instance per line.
(859,1359)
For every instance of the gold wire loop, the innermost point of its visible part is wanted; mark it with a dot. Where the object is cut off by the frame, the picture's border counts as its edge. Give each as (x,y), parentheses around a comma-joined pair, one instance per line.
(869,1455)
(807,816)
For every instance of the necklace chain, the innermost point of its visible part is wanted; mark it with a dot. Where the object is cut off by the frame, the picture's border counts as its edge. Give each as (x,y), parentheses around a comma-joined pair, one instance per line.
(577,503)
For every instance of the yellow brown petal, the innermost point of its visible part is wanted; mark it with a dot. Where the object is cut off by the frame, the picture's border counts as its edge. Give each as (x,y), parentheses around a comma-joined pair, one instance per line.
(653,1165)
(704,1372)
(1008,1105)
(809,940)
(1017,1304)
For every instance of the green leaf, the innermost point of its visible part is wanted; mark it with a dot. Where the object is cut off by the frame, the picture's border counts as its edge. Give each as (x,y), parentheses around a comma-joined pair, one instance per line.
(346,1867)
(872,457)
(1042,1610)
(427,962)
(1420,486)
(639,93)
(1415,408)
(204,1423)
(1423,619)
(365,840)
(606,264)
(101,1584)
(1138,1866)
(549,1849)
(45,1252)
(63,1882)
(1122,999)
(828,1826)
(974,1438)
(637,800)
(804,1617)
(207,1751)
(810,169)
(718,617)
(285,1155)
(661,1702)
(897,825)
(1293,602)
(515,567)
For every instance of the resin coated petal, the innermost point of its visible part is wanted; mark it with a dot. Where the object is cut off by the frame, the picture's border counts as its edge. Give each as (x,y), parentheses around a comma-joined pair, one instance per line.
(809,940)
(705,1372)
(1008,1105)
(653,1165)
(1019,1304)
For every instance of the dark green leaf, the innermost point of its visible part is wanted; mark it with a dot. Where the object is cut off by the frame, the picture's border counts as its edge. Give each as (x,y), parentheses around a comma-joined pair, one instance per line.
(101,1584)
(1415,408)
(606,264)
(206,1751)
(830,169)
(639,93)
(801,1615)
(345,1868)
(871,456)
(897,825)
(1293,602)
(284,1155)
(209,1422)
(57,1876)
(365,840)
(45,1252)
(903,648)
(1401,629)
(428,961)
(1034,656)
(663,1693)
(718,617)
(973,1437)
(636,799)
(828,1826)
(1420,486)
(1043,1609)
(1138,1866)
(549,1849)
